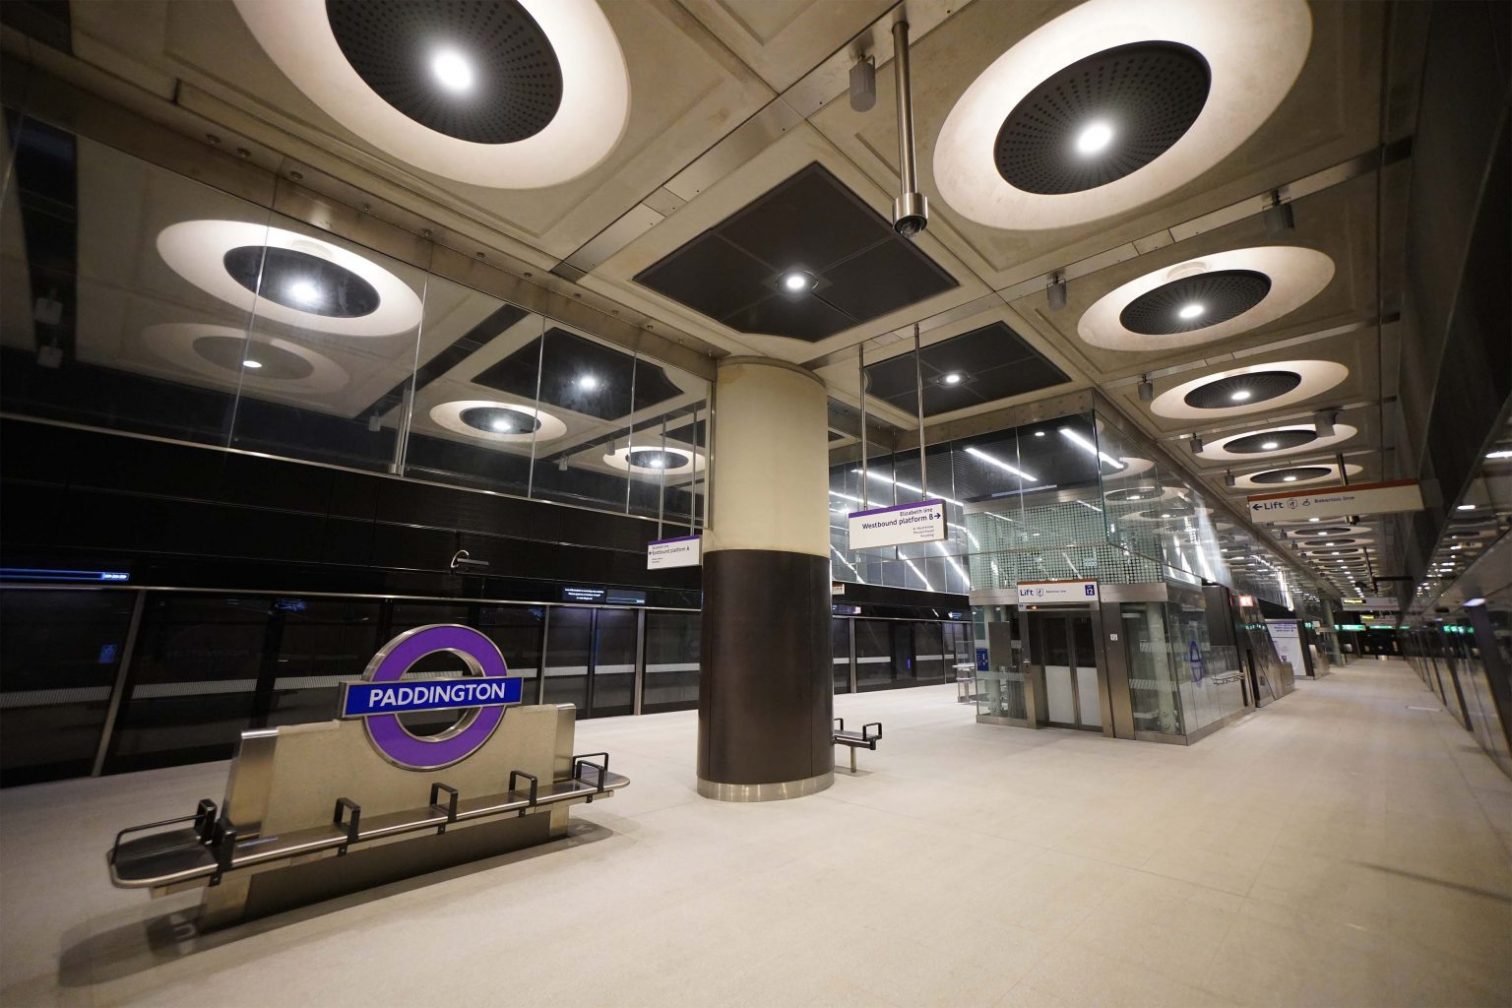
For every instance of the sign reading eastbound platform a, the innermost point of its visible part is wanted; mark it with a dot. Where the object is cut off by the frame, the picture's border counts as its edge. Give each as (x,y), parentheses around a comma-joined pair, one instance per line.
(1051,592)
(682,551)
(1332,502)
(899,525)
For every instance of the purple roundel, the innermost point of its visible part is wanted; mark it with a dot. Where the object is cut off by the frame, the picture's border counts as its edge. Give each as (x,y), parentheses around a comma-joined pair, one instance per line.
(413,752)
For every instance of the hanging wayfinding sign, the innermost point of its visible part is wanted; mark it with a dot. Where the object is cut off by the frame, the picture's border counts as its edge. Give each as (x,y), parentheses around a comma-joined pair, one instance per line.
(1051,592)
(680,552)
(919,522)
(1332,502)
(383,694)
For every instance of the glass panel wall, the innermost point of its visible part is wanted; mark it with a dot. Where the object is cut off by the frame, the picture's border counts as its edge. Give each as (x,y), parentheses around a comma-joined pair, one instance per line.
(612,688)
(840,652)
(672,650)
(874,655)
(569,649)
(61,655)
(170,308)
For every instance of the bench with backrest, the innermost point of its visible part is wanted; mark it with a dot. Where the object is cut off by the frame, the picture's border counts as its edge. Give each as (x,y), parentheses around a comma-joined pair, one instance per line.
(312,793)
(864,739)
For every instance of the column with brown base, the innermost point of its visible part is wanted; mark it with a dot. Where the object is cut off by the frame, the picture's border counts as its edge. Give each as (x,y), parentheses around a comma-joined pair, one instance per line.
(766,696)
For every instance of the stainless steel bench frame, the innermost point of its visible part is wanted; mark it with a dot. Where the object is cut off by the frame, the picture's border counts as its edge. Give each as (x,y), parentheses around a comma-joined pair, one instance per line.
(854,740)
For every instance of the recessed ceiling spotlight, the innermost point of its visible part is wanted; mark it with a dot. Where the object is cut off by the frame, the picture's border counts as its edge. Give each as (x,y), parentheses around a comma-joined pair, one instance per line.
(452,71)
(249,363)
(1269,446)
(1094,138)
(1039,433)
(1191,311)
(1465,507)
(306,292)
(954,378)
(1288,479)
(1314,519)
(588,383)
(797,281)
(1239,395)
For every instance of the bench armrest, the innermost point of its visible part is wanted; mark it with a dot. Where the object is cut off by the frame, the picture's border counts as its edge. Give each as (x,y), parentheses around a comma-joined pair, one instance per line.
(582,760)
(866,730)
(535,783)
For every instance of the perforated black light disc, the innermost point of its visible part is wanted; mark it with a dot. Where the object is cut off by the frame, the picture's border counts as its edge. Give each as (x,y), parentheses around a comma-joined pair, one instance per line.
(301,281)
(1221,295)
(1269,442)
(516,81)
(493,420)
(654,459)
(1149,93)
(1261,386)
(1300,472)
(231,352)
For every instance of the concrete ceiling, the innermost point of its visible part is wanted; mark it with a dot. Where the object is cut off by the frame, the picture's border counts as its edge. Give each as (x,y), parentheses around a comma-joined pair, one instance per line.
(730,97)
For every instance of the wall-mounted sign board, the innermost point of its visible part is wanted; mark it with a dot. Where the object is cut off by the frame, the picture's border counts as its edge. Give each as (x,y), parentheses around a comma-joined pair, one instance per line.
(899,525)
(1333,502)
(1052,592)
(680,552)
(1375,602)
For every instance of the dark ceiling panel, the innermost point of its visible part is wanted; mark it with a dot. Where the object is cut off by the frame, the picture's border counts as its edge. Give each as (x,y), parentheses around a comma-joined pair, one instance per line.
(462,348)
(993,362)
(569,359)
(813,223)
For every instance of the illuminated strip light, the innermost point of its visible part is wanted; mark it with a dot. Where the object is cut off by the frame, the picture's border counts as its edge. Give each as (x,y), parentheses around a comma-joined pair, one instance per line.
(47,574)
(1084,504)
(994,460)
(906,486)
(951,560)
(927,585)
(848,564)
(1088,447)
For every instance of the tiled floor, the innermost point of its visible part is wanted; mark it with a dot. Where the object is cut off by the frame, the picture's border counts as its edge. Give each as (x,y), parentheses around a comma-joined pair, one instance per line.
(1341,847)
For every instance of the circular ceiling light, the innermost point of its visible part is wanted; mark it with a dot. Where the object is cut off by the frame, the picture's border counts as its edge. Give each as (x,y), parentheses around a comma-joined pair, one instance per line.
(226,354)
(301,281)
(1271,385)
(497,420)
(655,460)
(1060,137)
(495,93)
(1222,69)
(1291,438)
(955,378)
(287,277)
(1287,478)
(588,383)
(423,58)
(482,419)
(1205,300)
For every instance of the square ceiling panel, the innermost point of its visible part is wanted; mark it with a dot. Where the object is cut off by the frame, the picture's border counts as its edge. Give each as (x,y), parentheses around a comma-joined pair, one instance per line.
(811,223)
(992,363)
(580,375)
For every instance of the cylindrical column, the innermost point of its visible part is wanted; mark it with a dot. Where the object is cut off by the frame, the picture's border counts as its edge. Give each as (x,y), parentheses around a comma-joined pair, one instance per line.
(766,697)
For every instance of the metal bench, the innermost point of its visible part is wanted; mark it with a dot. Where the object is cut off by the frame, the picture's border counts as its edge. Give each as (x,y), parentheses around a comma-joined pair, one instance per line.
(864,739)
(311,812)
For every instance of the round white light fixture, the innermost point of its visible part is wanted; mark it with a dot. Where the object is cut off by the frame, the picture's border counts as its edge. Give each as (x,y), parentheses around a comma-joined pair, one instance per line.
(452,71)
(588,383)
(1288,479)
(448,416)
(174,343)
(688,461)
(1296,274)
(1254,52)
(595,106)
(1465,507)
(1094,138)
(1039,433)
(1218,450)
(1318,376)
(955,378)
(196,251)
(1240,395)
(1330,475)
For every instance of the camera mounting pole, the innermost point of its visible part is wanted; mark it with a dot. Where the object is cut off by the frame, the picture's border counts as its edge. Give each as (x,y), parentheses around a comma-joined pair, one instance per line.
(910,209)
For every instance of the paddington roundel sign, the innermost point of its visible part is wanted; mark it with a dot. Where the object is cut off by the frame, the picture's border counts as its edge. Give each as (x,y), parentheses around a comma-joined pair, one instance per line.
(383,694)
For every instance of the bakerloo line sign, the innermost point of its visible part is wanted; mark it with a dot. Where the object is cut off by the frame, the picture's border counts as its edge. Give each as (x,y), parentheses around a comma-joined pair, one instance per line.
(276,841)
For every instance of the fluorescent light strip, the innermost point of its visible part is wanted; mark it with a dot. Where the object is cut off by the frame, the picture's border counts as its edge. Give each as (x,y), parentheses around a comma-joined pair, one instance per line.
(907,486)
(994,460)
(927,585)
(1089,447)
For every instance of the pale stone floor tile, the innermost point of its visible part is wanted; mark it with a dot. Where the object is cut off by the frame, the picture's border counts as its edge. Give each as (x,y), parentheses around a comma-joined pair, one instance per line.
(1334,849)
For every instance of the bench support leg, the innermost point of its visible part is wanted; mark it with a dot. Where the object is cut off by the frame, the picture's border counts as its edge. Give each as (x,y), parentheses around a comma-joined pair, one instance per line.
(223,905)
(853,757)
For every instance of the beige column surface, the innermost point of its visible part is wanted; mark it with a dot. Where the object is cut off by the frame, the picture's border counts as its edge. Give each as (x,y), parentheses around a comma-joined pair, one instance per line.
(771,459)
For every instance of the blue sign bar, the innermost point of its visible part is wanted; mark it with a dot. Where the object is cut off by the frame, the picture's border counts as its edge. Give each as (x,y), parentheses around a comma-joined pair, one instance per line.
(39,574)
(365,699)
